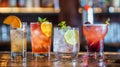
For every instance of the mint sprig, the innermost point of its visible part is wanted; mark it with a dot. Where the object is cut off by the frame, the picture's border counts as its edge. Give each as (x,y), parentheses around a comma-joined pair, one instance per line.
(63,25)
(42,19)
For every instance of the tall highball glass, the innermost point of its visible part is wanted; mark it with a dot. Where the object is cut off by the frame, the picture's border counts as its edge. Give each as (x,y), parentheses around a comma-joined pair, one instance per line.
(19,43)
(41,39)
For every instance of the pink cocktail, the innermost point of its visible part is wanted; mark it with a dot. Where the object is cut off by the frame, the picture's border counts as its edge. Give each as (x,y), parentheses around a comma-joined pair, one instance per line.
(94,34)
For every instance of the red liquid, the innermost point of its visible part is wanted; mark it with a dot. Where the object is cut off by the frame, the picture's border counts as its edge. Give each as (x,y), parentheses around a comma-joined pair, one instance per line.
(40,43)
(94,47)
(94,35)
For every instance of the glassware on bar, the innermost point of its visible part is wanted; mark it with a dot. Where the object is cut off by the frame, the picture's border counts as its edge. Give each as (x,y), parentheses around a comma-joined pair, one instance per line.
(66,43)
(94,34)
(19,42)
(41,38)
(18,37)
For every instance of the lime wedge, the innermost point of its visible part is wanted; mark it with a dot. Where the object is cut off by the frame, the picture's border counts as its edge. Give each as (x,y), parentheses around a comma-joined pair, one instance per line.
(71,37)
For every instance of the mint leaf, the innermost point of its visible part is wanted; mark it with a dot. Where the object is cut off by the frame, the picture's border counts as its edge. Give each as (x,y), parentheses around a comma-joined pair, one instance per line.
(42,19)
(39,19)
(62,24)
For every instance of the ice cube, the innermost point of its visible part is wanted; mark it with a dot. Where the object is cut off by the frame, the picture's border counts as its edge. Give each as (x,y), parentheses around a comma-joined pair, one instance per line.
(36,32)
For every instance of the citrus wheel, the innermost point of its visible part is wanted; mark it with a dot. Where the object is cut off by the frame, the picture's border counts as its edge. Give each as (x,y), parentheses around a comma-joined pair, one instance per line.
(14,21)
(46,28)
(71,37)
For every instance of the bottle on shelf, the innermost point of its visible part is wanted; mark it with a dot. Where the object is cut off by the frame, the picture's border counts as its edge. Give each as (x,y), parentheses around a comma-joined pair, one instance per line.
(115,6)
(12,3)
(56,5)
(46,3)
(87,11)
(36,3)
(116,3)
(21,3)
(29,3)
(4,3)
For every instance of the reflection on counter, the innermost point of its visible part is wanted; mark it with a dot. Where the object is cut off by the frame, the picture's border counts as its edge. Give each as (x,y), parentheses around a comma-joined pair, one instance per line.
(111,60)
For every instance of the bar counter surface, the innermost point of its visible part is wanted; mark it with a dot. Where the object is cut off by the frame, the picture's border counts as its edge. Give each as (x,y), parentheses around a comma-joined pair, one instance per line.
(112,59)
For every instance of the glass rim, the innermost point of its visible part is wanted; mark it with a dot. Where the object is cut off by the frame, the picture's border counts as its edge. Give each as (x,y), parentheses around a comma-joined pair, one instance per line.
(38,22)
(67,27)
(95,25)
(24,25)
(33,22)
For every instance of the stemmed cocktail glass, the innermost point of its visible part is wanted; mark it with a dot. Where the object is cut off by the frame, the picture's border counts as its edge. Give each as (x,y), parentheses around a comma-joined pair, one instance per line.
(94,34)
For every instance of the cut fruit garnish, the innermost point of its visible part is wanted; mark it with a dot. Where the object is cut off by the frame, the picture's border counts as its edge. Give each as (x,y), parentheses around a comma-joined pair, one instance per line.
(42,19)
(46,28)
(71,37)
(107,21)
(62,24)
(14,21)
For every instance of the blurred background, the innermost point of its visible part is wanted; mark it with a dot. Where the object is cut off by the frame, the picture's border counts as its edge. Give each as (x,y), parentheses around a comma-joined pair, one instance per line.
(57,10)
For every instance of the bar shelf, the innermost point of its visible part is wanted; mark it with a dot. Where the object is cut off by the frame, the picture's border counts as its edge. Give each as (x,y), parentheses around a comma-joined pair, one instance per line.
(49,10)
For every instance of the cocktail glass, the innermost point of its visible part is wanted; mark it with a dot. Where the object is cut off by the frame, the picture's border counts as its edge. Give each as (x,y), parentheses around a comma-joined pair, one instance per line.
(41,41)
(18,43)
(94,34)
(66,43)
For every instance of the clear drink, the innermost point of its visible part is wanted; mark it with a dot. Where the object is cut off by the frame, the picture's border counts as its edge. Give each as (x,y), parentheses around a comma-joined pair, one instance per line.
(66,43)
(94,34)
(18,43)
(41,41)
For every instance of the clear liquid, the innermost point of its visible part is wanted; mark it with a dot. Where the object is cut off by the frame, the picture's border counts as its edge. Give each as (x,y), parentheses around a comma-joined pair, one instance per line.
(65,56)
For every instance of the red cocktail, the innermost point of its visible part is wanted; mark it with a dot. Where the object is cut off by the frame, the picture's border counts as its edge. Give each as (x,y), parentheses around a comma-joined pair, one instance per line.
(94,34)
(41,38)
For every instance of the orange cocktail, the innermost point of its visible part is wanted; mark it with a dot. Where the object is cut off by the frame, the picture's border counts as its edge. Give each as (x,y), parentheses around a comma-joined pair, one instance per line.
(41,37)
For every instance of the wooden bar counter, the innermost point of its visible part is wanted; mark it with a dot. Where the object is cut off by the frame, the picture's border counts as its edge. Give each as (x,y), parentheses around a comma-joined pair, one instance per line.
(112,59)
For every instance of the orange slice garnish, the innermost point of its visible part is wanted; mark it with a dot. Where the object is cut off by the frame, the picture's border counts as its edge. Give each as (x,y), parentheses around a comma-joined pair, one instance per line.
(14,21)
(46,28)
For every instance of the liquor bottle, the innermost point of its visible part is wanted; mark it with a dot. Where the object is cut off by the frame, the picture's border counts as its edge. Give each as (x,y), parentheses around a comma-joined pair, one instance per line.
(46,3)
(29,3)
(36,3)
(21,3)
(4,3)
(116,3)
(87,12)
(12,3)
(102,4)
(56,5)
